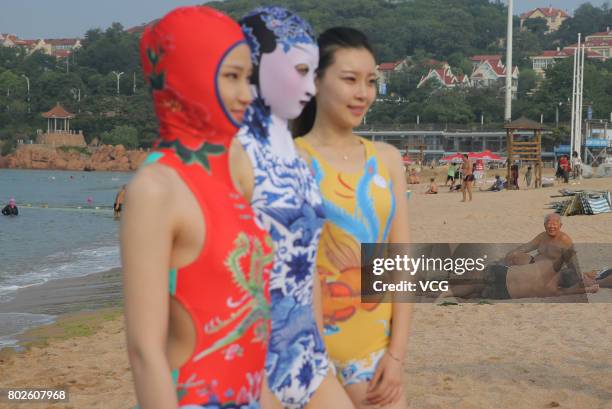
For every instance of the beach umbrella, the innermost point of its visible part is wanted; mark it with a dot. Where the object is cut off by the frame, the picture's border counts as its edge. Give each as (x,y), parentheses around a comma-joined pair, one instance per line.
(454,158)
(489,156)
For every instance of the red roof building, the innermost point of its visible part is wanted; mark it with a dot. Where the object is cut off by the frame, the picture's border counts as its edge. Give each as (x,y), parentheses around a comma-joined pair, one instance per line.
(445,78)
(554,17)
(61,47)
(598,47)
(492,72)
(544,11)
(385,69)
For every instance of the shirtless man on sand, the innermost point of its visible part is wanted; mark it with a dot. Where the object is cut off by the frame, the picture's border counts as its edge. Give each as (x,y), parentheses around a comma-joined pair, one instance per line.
(549,244)
(524,275)
(468,177)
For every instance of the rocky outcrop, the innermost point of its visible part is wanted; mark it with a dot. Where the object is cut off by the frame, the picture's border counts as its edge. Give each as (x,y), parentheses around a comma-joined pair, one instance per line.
(103,158)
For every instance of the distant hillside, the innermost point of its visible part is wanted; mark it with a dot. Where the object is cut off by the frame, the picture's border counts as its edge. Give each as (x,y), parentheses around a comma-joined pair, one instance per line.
(397,29)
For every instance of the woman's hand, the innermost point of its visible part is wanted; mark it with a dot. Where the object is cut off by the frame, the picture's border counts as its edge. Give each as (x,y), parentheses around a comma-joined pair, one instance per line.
(385,388)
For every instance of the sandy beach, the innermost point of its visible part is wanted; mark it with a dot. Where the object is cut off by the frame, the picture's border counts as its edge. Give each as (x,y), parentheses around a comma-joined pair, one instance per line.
(466,356)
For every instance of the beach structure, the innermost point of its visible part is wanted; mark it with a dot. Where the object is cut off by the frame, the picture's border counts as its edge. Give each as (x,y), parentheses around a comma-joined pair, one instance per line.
(415,151)
(524,144)
(58,129)
(598,141)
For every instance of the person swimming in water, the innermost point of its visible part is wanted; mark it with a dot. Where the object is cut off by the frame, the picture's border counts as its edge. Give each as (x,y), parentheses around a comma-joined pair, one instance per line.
(10,209)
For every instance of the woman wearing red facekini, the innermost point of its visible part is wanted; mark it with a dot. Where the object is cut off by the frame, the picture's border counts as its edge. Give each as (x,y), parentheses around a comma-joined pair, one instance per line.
(195,264)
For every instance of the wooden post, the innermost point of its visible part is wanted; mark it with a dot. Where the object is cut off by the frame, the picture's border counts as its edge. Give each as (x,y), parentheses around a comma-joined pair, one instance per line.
(538,176)
(509,140)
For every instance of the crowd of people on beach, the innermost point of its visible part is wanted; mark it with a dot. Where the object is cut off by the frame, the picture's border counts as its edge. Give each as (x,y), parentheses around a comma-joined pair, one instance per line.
(462,175)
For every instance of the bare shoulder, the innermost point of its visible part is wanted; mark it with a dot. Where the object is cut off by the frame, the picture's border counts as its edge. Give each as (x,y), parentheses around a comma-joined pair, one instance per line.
(389,153)
(566,239)
(152,182)
(540,237)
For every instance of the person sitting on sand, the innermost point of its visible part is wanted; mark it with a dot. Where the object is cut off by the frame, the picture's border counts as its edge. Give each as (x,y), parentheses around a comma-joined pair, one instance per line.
(414,177)
(497,186)
(432,189)
(549,244)
(10,209)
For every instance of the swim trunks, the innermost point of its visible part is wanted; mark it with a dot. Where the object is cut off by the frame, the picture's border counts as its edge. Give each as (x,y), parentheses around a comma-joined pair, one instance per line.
(494,277)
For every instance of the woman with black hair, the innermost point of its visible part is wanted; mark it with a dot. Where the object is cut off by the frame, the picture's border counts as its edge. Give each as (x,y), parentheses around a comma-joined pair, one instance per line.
(363,188)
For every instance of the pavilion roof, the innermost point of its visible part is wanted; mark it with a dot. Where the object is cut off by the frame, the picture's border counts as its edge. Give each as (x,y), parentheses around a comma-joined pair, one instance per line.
(524,123)
(59,112)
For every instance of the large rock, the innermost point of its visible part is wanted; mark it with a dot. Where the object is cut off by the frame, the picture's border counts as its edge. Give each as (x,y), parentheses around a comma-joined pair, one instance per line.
(104,158)
(136,158)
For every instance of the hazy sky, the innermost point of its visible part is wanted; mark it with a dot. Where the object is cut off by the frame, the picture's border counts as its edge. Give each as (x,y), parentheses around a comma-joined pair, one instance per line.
(31,19)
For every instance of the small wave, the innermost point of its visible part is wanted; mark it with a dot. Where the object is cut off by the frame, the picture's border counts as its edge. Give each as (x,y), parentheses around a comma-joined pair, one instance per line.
(13,324)
(60,265)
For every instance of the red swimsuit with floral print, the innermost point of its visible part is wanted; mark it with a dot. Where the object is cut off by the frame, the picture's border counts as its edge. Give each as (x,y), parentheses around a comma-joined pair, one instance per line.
(225,290)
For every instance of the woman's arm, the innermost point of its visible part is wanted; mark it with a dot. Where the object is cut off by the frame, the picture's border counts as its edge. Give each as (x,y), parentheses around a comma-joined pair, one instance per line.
(146,243)
(387,382)
(399,233)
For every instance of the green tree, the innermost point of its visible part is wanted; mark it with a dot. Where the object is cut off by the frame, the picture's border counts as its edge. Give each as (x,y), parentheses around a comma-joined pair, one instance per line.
(528,80)
(587,19)
(121,135)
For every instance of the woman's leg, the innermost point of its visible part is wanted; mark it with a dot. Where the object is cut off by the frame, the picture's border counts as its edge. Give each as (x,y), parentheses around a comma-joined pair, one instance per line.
(357,375)
(330,394)
(268,399)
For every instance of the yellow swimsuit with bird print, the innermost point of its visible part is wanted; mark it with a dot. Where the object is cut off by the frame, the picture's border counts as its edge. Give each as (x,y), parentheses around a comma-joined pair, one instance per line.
(358,208)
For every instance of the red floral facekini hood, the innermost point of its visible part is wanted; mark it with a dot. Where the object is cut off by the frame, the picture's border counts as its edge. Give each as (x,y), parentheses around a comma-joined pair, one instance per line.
(181,55)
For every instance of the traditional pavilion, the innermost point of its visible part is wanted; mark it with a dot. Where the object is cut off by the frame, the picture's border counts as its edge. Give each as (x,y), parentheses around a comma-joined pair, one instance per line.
(58,112)
(58,129)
